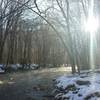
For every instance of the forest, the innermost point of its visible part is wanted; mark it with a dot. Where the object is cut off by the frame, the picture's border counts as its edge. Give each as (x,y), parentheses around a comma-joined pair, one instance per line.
(44,37)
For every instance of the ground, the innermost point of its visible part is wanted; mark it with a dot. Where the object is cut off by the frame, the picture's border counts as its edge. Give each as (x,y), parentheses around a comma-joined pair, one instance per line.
(78,87)
(29,85)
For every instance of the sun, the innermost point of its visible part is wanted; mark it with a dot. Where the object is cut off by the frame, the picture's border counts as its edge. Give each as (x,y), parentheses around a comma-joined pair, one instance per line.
(92,24)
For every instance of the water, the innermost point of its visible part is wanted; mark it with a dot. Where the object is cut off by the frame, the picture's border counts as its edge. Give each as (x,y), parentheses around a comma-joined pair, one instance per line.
(31,85)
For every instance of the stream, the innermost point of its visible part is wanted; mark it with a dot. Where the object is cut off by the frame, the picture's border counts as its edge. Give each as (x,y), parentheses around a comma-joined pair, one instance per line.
(30,85)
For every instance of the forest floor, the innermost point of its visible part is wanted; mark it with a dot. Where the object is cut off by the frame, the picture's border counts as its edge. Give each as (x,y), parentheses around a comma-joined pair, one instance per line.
(29,85)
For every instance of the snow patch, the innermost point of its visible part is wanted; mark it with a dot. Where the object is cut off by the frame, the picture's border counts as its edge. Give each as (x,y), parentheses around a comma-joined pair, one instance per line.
(78,87)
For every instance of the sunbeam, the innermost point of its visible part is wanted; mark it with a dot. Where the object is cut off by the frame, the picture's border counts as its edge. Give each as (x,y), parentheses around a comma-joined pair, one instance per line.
(91,27)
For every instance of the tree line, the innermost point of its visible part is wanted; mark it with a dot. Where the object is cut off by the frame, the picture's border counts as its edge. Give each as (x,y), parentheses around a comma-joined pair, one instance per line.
(53,34)
(27,41)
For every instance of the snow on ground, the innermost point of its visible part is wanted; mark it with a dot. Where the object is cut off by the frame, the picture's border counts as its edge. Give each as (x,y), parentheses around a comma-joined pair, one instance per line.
(1,70)
(83,87)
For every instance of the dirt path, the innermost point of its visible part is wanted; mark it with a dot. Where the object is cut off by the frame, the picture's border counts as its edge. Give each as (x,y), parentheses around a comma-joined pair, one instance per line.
(31,85)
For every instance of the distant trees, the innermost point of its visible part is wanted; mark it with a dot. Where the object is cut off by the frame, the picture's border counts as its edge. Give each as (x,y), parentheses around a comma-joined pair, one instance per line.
(53,34)
(69,16)
(26,41)
(10,13)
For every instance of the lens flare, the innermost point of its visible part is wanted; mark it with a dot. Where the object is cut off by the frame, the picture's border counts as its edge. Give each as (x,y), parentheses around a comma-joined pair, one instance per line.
(91,26)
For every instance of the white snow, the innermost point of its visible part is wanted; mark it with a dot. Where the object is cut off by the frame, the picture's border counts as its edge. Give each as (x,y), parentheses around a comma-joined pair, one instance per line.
(82,91)
(1,70)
